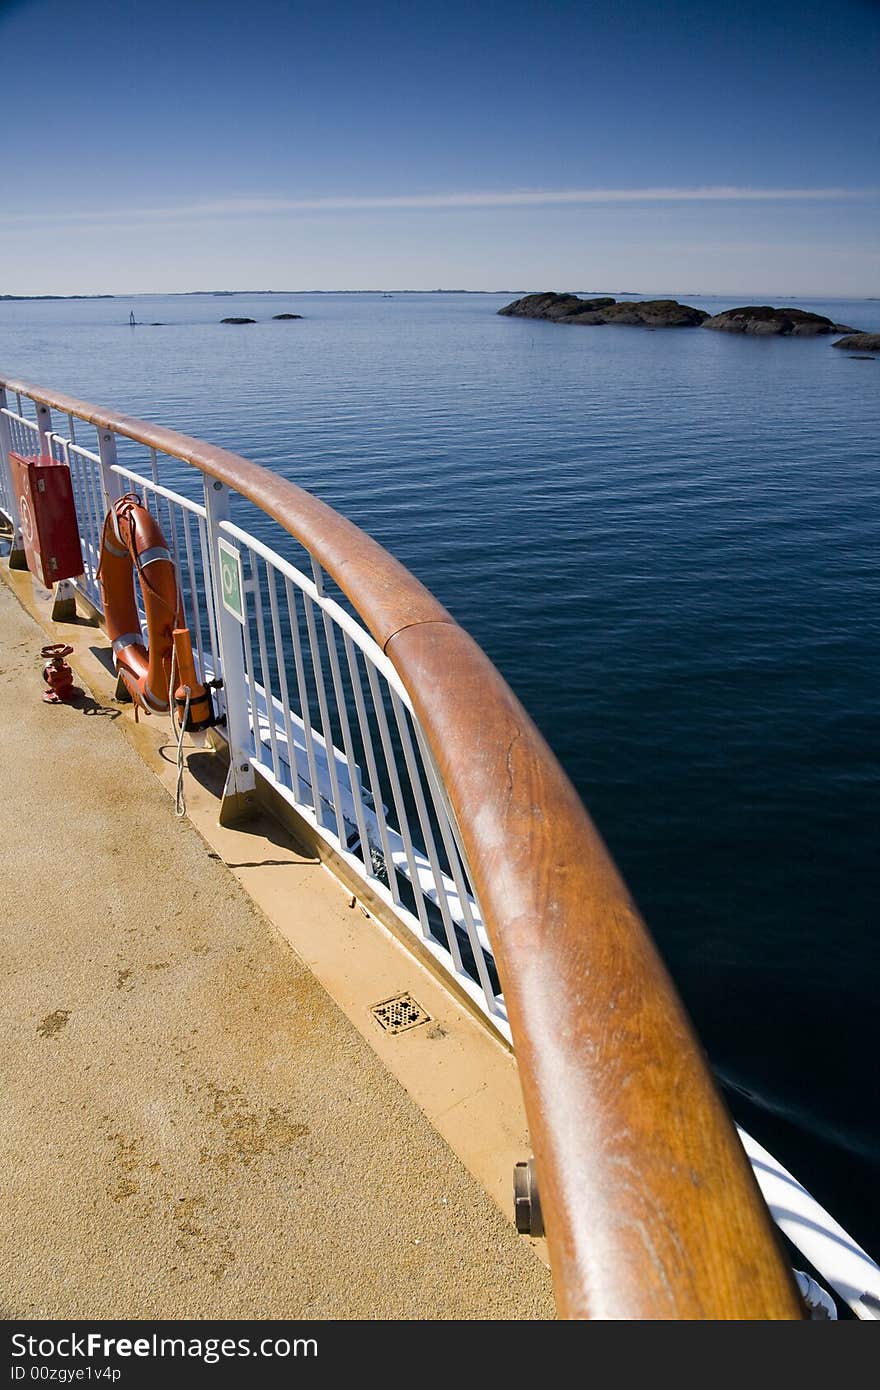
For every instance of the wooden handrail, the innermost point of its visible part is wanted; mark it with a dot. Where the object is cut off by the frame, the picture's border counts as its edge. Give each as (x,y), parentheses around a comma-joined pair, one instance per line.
(650,1206)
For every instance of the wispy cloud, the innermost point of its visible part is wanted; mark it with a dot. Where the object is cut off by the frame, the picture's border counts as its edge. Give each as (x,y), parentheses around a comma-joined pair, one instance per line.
(261,207)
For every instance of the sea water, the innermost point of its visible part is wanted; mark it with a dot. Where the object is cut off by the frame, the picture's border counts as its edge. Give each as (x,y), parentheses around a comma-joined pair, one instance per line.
(669,544)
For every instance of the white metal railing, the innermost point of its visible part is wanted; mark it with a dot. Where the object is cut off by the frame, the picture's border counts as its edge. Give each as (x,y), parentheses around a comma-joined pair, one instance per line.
(310,703)
(308,700)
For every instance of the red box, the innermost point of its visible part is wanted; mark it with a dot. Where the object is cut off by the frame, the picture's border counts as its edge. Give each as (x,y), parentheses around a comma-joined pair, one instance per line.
(49,525)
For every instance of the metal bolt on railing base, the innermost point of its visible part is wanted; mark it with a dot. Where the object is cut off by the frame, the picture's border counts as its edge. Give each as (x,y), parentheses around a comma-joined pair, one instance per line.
(526,1199)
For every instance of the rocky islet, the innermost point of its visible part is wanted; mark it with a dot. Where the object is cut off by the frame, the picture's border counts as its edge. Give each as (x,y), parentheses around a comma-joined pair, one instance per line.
(274,317)
(757,320)
(859,342)
(570,308)
(762,320)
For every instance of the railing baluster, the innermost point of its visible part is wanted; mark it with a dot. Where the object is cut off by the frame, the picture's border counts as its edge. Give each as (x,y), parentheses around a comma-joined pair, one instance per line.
(75,464)
(397,795)
(175,551)
(264,666)
(348,746)
(302,687)
(93,495)
(321,690)
(282,680)
(460,878)
(427,832)
(194,592)
(250,670)
(372,770)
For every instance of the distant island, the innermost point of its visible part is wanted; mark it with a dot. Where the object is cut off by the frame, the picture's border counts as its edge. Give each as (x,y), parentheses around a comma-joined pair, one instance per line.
(275,317)
(217,294)
(569,308)
(26,297)
(760,320)
(859,342)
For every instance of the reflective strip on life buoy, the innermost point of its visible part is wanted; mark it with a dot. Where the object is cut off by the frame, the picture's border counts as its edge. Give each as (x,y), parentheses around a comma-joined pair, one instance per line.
(132,542)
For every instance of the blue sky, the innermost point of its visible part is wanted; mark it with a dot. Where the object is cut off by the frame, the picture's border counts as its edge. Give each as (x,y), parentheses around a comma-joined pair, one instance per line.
(684,146)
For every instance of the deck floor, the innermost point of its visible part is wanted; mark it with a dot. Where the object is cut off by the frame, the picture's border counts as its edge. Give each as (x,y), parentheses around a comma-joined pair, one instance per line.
(191,1127)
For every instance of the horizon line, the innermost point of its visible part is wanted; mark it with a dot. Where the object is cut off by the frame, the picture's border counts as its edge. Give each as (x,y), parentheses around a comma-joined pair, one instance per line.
(782,297)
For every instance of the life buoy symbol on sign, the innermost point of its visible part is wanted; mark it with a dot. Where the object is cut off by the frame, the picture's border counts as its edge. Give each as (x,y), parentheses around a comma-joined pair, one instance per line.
(27,520)
(231,581)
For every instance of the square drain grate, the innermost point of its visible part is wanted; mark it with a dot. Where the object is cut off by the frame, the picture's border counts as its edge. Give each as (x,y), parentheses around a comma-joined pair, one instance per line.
(400,1013)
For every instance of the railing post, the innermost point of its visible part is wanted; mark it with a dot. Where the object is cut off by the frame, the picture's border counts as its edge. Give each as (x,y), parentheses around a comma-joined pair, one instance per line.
(111,483)
(111,489)
(63,596)
(63,599)
(239,800)
(17,559)
(44,425)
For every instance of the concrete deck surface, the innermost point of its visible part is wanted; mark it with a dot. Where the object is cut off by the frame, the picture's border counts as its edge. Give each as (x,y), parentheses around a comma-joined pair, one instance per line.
(190,1126)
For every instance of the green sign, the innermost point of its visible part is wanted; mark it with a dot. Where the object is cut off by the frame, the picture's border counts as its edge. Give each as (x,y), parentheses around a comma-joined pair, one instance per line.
(231,584)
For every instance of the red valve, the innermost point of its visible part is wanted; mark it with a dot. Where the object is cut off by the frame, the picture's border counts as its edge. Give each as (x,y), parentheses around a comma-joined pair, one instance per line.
(58,676)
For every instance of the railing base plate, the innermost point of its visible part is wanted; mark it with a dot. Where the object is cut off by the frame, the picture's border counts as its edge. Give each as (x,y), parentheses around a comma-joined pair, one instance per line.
(237,806)
(63,602)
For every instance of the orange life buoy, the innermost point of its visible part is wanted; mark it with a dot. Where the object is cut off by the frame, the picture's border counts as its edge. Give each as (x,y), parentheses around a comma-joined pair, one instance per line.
(132,542)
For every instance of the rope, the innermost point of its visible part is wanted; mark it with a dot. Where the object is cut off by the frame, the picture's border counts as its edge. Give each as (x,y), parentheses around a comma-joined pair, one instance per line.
(179,798)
